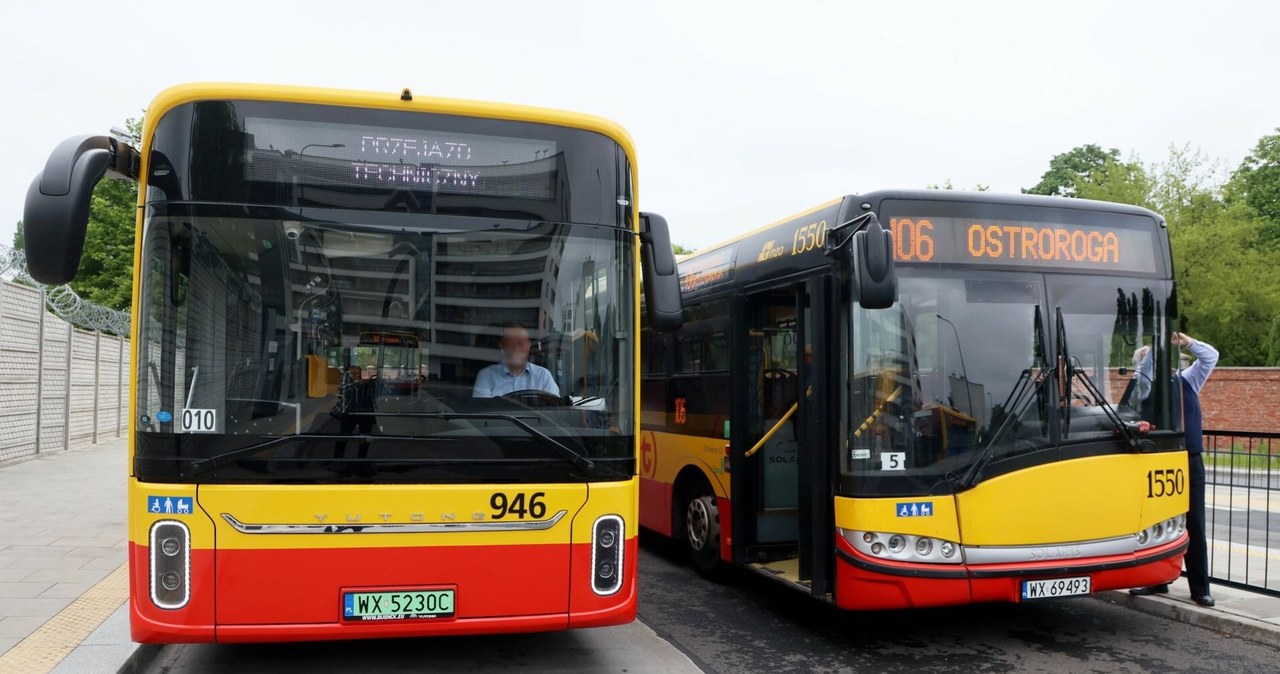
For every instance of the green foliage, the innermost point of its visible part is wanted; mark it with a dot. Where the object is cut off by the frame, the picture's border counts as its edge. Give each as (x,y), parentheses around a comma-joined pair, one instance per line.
(106,268)
(1273,344)
(1066,169)
(18,242)
(1257,183)
(948,186)
(681,250)
(1227,291)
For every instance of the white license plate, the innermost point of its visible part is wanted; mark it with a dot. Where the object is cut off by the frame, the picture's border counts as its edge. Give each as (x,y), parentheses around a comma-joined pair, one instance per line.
(1053,588)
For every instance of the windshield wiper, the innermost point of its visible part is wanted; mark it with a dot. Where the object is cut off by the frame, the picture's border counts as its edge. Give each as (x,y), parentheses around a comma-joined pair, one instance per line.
(1015,403)
(201,466)
(579,461)
(1071,372)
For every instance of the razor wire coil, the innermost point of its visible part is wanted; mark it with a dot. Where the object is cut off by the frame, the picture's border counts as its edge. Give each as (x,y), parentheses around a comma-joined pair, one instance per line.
(62,300)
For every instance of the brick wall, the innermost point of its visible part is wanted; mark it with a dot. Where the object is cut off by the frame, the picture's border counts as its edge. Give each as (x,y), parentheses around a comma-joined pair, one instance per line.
(1242,399)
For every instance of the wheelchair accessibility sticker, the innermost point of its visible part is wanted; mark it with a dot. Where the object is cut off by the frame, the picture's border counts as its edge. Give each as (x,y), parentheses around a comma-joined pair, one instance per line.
(169,505)
(915,509)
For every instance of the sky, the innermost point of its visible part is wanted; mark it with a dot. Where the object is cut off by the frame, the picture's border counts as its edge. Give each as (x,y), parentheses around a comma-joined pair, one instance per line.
(742,112)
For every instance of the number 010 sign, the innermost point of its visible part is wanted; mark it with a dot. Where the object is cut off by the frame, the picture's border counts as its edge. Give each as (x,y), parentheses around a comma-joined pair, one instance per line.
(199,421)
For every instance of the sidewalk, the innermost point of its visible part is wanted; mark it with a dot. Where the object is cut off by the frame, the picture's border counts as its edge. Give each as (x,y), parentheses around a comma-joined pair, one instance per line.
(62,555)
(1239,613)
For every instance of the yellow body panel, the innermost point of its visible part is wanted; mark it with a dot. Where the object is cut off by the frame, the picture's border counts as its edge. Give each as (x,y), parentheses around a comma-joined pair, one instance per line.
(356,505)
(881,514)
(672,453)
(1070,501)
(1077,500)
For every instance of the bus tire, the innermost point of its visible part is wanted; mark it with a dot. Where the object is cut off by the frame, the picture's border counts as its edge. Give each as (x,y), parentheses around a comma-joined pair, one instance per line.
(701,531)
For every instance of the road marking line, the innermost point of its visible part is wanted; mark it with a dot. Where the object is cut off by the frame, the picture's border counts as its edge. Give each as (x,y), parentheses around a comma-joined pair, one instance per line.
(1243,548)
(44,648)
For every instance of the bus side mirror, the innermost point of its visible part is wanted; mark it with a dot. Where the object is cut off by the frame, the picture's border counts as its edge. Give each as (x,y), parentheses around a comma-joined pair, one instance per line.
(661,278)
(875,282)
(56,213)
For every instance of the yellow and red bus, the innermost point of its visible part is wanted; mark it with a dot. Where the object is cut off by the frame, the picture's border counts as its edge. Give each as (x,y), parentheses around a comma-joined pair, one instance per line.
(274,494)
(936,410)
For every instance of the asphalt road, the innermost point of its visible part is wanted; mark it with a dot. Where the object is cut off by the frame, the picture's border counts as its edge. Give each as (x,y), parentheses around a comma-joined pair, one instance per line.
(753,624)
(749,624)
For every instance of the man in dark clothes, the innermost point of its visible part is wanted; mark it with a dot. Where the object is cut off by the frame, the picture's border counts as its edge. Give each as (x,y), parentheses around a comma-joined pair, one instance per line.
(1193,379)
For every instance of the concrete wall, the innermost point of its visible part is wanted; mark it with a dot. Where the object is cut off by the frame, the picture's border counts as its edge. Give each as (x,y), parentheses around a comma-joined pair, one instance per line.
(59,386)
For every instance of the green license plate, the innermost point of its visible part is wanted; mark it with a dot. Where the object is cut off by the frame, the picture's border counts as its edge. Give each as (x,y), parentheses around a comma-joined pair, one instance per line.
(400,605)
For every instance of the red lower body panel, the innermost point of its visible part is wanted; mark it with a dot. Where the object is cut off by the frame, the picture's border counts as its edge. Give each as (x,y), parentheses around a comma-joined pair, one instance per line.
(725,507)
(296,594)
(865,583)
(655,506)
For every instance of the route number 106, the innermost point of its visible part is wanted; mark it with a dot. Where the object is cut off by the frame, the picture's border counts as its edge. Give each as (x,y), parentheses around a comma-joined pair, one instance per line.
(912,239)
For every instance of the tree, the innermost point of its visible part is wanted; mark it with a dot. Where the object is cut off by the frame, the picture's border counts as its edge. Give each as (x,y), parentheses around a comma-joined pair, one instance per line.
(18,242)
(948,186)
(1227,294)
(1065,170)
(106,268)
(1273,344)
(681,250)
(1257,183)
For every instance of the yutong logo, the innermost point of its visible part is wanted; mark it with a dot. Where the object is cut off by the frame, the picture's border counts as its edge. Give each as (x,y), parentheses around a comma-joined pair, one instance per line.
(386,517)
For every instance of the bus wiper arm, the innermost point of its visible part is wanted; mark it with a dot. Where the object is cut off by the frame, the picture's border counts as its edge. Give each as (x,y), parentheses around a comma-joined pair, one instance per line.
(579,461)
(1016,403)
(202,466)
(1072,373)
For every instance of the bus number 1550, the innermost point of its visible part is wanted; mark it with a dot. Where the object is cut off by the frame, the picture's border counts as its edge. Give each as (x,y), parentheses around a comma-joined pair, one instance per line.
(1165,482)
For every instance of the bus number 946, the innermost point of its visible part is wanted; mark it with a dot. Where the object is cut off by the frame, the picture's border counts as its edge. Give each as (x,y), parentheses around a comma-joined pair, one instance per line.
(1167,482)
(504,505)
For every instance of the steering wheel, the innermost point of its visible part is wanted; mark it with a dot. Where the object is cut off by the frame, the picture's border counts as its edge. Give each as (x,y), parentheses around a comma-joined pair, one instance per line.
(532,397)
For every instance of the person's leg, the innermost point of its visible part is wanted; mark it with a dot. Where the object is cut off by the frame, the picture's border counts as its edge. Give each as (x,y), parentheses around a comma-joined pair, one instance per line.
(1197,548)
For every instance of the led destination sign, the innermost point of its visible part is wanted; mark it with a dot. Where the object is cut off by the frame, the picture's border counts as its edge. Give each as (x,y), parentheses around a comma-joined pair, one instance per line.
(947,240)
(333,154)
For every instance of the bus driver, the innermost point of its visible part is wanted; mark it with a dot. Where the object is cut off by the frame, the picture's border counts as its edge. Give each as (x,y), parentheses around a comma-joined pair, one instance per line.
(514,372)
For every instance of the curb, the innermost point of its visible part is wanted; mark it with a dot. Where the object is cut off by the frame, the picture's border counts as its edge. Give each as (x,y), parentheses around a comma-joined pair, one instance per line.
(141,658)
(1252,629)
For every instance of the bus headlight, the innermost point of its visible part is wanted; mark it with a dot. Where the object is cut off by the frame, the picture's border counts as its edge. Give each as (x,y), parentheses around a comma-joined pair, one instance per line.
(1164,531)
(606,555)
(924,546)
(170,564)
(903,547)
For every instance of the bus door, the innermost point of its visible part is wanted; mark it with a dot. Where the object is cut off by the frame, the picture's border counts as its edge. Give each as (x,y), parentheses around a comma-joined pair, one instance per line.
(767,449)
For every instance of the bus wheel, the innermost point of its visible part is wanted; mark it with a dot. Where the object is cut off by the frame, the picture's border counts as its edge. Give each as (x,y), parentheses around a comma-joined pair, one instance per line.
(702,532)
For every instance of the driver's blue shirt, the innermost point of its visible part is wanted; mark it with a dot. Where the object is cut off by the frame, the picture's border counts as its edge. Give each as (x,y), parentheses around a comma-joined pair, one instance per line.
(497,380)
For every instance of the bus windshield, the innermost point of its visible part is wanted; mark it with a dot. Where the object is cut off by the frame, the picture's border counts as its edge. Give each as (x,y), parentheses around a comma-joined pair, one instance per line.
(972,366)
(393,347)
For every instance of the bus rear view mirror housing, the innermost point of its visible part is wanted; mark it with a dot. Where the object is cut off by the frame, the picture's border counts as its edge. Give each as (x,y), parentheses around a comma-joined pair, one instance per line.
(872,273)
(661,278)
(56,213)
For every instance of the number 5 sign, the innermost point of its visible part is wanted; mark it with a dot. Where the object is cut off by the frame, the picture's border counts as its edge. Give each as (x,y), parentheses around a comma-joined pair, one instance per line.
(893,461)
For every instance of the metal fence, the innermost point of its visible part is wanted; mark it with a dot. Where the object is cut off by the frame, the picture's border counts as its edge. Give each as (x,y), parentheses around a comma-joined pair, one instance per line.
(1242,497)
(64,365)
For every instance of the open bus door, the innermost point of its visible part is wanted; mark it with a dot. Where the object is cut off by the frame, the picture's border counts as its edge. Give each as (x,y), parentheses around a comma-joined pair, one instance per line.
(782,493)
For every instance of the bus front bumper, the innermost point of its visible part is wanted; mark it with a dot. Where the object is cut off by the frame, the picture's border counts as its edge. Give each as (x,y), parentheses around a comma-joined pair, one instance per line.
(865,583)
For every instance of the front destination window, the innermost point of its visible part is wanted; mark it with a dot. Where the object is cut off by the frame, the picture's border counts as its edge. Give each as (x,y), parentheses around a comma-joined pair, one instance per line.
(335,294)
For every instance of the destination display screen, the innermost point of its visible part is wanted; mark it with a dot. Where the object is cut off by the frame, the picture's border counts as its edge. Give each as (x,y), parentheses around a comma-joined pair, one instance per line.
(329,154)
(1128,244)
